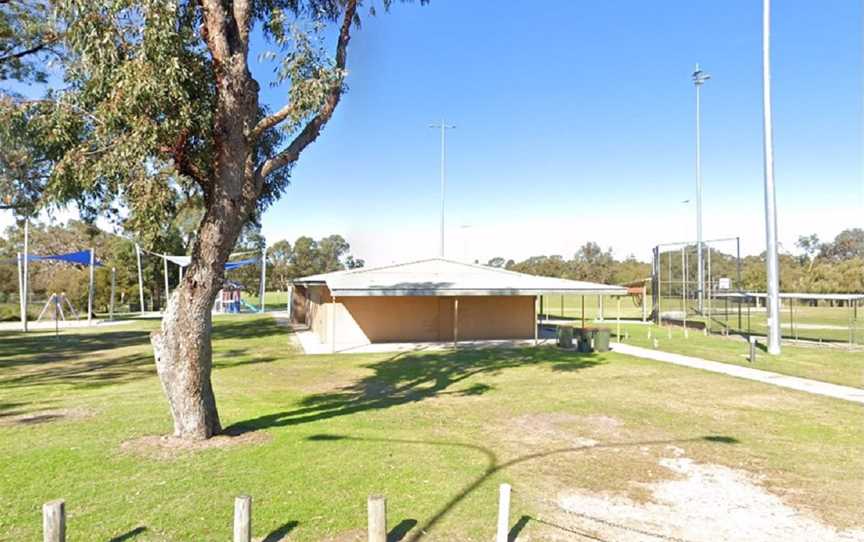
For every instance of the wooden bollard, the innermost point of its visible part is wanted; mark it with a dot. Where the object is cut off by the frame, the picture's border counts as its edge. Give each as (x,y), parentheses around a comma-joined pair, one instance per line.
(243,518)
(54,521)
(503,513)
(377,509)
(752,356)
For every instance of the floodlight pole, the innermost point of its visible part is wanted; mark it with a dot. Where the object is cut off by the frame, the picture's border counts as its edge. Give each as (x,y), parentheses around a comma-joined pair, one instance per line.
(443,126)
(771,260)
(699,78)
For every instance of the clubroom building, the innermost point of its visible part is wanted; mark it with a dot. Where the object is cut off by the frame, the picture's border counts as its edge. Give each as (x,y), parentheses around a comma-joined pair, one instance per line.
(434,300)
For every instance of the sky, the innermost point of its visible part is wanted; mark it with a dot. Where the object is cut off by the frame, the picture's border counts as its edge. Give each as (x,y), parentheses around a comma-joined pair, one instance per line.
(575,122)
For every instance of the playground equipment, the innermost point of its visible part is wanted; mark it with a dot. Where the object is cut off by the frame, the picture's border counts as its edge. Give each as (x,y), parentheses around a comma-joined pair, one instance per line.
(82,257)
(183,261)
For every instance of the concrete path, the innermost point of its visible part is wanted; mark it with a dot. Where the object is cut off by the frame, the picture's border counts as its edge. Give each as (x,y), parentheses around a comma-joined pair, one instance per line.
(844,393)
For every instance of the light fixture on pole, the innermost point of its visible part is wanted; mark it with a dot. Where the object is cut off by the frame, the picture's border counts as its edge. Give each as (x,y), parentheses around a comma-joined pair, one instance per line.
(771,260)
(443,126)
(699,78)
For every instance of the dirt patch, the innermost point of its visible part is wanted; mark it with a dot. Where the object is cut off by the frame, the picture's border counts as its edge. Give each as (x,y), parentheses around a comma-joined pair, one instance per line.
(550,429)
(700,502)
(170,447)
(46,416)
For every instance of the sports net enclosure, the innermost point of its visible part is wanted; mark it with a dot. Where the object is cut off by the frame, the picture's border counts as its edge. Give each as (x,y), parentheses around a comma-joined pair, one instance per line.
(729,301)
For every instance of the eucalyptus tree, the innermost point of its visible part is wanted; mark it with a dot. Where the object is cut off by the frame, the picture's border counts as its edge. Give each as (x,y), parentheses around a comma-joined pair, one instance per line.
(158,103)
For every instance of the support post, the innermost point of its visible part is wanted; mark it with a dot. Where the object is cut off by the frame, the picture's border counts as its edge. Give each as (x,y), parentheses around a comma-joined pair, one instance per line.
(376,506)
(455,322)
(25,279)
(503,530)
(113,289)
(165,276)
(54,521)
(90,289)
(243,518)
(600,307)
(263,288)
(333,325)
(583,312)
(140,278)
(618,320)
(536,318)
(562,306)
(21,306)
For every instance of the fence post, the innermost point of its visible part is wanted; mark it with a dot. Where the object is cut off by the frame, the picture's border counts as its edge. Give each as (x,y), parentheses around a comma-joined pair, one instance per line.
(503,513)
(377,509)
(752,356)
(54,521)
(243,518)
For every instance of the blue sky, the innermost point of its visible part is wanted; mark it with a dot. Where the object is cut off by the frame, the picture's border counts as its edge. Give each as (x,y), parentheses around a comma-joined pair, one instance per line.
(575,122)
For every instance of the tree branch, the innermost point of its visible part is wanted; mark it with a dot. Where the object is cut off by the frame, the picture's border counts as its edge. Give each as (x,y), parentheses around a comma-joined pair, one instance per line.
(313,128)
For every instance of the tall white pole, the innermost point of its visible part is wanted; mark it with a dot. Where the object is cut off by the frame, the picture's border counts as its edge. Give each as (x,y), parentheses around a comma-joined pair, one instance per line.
(90,290)
(263,276)
(21,289)
(444,127)
(699,78)
(140,279)
(26,288)
(443,178)
(772,264)
(165,275)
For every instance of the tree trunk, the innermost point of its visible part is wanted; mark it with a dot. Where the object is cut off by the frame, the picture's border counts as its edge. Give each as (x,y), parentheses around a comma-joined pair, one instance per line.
(182,347)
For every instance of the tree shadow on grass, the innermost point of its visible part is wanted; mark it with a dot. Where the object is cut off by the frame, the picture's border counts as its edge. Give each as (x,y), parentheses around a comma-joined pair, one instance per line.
(495,466)
(88,359)
(414,377)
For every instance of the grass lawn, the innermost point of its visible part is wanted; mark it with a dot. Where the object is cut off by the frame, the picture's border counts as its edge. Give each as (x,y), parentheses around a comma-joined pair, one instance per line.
(837,364)
(434,432)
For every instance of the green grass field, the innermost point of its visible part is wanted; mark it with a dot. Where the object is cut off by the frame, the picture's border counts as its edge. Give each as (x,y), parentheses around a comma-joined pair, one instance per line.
(434,432)
(835,364)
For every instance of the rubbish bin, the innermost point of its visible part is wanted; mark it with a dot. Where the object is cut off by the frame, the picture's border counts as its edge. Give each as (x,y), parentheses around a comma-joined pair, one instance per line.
(601,339)
(565,336)
(585,336)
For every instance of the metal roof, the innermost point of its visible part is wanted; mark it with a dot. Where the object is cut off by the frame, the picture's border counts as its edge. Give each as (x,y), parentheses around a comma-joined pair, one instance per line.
(442,277)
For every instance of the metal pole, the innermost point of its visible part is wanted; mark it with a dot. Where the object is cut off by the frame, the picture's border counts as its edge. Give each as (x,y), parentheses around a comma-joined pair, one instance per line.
(113,287)
(90,290)
(772,263)
(165,275)
(263,276)
(443,126)
(684,288)
(140,279)
(699,78)
(21,306)
(26,288)
(738,275)
(443,179)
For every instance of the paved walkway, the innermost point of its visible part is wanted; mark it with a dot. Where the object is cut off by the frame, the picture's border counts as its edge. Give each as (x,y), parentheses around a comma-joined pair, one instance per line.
(844,393)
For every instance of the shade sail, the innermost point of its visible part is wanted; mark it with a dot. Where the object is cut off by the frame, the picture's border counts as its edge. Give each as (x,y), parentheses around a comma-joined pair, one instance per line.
(240,263)
(82,257)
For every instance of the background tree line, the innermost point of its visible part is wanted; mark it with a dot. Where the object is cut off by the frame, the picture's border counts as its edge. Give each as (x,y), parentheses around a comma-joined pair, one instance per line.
(835,266)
